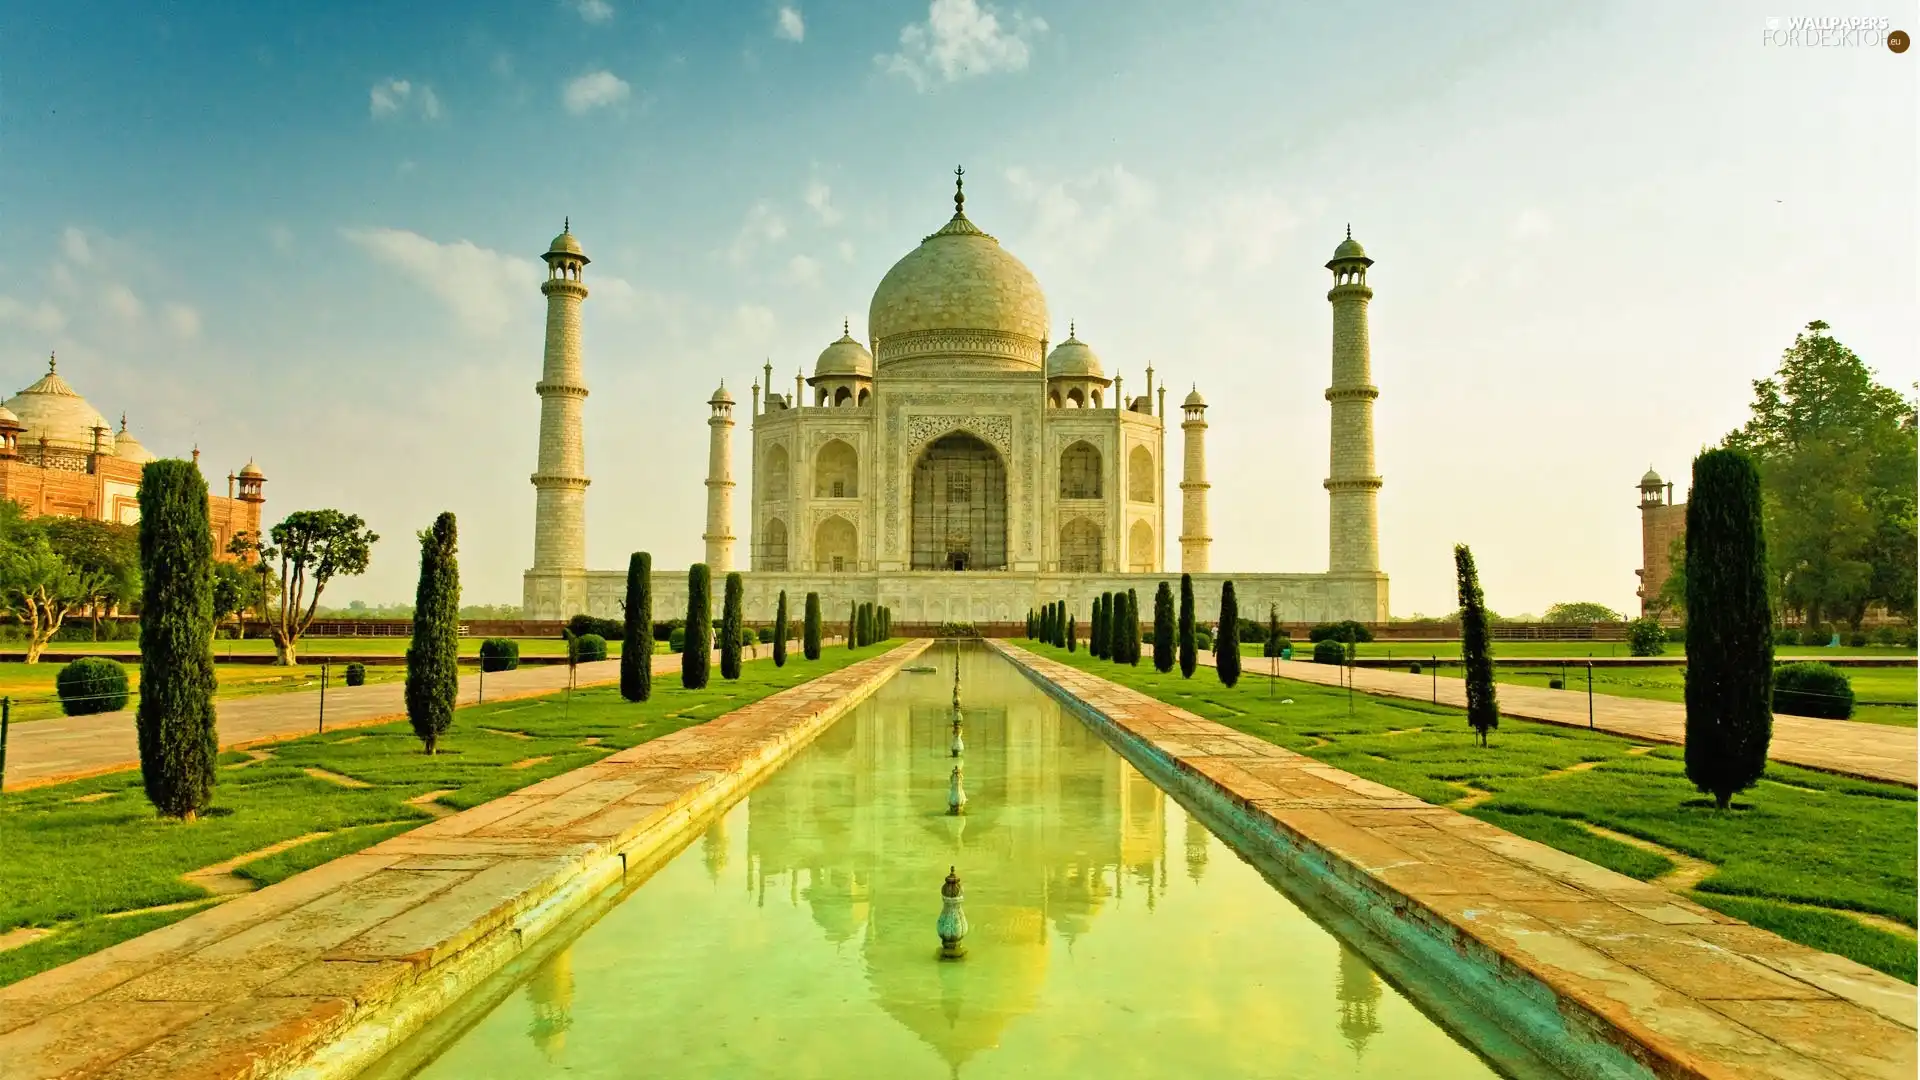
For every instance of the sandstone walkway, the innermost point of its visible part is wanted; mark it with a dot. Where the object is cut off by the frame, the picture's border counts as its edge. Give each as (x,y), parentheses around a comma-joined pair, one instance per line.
(348,958)
(1625,967)
(1868,751)
(49,751)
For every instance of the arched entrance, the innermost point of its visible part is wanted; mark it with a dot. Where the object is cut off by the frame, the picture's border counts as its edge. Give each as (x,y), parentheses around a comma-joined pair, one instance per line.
(959,506)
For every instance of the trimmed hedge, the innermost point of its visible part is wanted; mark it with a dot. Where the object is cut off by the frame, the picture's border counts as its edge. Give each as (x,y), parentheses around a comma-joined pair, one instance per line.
(499,654)
(590,647)
(92,684)
(1328,651)
(356,674)
(1812,689)
(1344,630)
(582,625)
(677,640)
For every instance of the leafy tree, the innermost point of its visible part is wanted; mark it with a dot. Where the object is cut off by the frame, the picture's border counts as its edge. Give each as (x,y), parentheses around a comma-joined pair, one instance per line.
(237,589)
(1163,620)
(1673,591)
(810,628)
(636,638)
(1189,645)
(309,548)
(433,658)
(38,587)
(107,556)
(1837,457)
(1581,611)
(175,718)
(1729,684)
(1274,642)
(1476,647)
(695,657)
(1226,644)
(780,631)
(731,619)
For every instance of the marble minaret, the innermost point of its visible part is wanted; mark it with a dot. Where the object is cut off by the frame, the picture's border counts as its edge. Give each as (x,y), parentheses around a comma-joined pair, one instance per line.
(719,534)
(560,481)
(1353,488)
(1194,540)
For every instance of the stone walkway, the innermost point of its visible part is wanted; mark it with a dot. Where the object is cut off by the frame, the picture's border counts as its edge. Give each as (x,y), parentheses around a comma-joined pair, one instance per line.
(1627,967)
(51,751)
(332,966)
(1869,751)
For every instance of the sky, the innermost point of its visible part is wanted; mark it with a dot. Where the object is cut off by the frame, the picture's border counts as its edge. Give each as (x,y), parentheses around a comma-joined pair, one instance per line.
(309,235)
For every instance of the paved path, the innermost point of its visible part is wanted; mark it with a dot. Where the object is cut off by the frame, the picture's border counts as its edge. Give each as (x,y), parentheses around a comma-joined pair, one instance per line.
(49,751)
(1869,751)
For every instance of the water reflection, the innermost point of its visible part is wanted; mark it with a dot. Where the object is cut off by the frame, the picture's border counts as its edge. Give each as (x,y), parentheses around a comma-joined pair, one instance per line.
(1357,989)
(550,997)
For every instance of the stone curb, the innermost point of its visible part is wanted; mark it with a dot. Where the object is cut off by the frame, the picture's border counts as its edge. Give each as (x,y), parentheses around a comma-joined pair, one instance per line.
(322,974)
(1600,974)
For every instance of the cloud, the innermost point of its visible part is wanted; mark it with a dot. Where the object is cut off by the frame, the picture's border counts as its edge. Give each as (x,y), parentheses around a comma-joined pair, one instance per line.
(280,237)
(595,90)
(74,244)
(1245,227)
(960,39)
(43,318)
(182,320)
(484,289)
(395,97)
(788,24)
(593,11)
(846,250)
(819,198)
(1080,215)
(804,270)
(121,301)
(763,226)
(1532,224)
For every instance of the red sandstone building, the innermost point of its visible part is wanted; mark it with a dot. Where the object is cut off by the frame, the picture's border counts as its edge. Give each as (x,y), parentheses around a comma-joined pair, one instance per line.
(1661,521)
(58,456)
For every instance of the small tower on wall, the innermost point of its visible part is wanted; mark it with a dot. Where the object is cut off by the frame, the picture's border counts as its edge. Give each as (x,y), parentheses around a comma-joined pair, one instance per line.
(560,480)
(719,534)
(1353,488)
(1661,522)
(1194,541)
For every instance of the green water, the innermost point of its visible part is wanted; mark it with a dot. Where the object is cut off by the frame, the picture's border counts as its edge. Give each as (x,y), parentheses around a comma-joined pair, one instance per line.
(1112,935)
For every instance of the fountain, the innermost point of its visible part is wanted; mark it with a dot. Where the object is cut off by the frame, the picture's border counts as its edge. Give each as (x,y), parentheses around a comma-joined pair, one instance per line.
(952,924)
(956,795)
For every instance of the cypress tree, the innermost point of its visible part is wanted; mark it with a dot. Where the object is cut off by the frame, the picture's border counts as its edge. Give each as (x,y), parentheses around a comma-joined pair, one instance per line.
(1729,684)
(1046,623)
(853,626)
(1029,624)
(636,638)
(1133,628)
(1053,624)
(175,718)
(1072,643)
(1476,647)
(1226,647)
(810,628)
(1060,623)
(695,658)
(1189,647)
(433,658)
(868,626)
(1113,619)
(1163,629)
(731,620)
(1097,627)
(780,631)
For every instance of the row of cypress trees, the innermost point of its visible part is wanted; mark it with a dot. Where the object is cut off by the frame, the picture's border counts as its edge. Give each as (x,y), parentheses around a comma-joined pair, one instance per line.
(1114,633)
(868,623)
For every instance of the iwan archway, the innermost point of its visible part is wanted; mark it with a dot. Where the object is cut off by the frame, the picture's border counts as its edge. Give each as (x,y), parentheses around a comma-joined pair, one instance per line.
(959,506)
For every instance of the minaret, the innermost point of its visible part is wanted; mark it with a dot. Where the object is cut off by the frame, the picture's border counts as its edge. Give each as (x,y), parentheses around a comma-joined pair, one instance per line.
(560,481)
(1352,487)
(1194,541)
(719,535)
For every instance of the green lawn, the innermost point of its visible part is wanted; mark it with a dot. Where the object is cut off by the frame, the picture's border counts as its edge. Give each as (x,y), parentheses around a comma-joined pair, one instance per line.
(1801,847)
(365,646)
(1450,650)
(72,864)
(31,686)
(1881,695)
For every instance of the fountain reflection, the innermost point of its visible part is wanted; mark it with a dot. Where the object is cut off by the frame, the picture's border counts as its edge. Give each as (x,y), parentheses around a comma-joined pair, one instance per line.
(550,997)
(1358,990)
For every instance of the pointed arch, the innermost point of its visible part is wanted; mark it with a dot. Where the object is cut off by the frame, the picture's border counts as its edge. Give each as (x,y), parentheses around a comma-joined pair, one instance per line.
(959,510)
(777,479)
(1140,549)
(773,545)
(836,471)
(1080,471)
(836,545)
(1080,546)
(1140,475)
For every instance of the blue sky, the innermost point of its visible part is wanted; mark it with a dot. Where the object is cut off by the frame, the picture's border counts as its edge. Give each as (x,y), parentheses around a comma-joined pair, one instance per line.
(308,234)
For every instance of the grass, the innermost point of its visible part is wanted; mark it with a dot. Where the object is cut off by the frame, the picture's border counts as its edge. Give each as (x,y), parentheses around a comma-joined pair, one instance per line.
(31,686)
(71,864)
(1881,695)
(1799,838)
(364,646)
(1450,650)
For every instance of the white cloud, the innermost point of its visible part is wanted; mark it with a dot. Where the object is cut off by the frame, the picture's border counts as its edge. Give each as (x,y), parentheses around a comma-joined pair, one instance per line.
(123,303)
(1246,227)
(182,320)
(594,90)
(789,25)
(43,318)
(819,197)
(1532,224)
(961,39)
(484,289)
(593,11)
(804,270)
(1080,215)
(74,243)
(763,226)
(395,97)
(846,250)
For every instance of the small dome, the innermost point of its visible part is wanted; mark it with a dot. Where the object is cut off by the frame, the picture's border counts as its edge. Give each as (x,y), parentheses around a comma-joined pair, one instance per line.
(720,396)
(844,357)
(7,417)
(1194,400)
(1074,358)
(1349,249)
(53,410)
(252,471)
(128,448)
(565,244)
(1652,479)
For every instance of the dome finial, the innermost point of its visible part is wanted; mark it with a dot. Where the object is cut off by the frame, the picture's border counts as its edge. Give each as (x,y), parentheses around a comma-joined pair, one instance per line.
(1073,331)
(123,422)
(959,191)
(566,225)
(53,362)
(846,327)
(1349,230)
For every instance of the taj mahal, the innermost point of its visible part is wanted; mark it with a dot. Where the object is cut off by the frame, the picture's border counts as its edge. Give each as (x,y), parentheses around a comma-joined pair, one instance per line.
(959,466)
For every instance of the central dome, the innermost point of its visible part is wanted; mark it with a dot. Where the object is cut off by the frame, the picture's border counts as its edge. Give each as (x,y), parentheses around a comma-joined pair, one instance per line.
(958,279)
(53,410)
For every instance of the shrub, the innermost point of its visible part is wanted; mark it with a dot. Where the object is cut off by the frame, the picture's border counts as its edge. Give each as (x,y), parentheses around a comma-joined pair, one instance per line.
(695,658)
(663,631)
(92,684)
(1227,657)
(764,635)
(1883,636)
(356,674)
(1556,683)
(1344,630)
(1911,638)
(175,719)
(1328,651)
(1676,635)
(1812,689)
(1646,637)
(590,648)
(582,625)
(957,629)
(1729,612)
(1476,646)
(1202,640)
(1786,635)
(636,630)
(1413,668)
(499,654)
(1856,640)
(810,629)
(677,640)
(1252,632)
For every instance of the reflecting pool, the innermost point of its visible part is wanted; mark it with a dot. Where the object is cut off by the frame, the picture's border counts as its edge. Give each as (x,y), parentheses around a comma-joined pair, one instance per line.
(1111,934)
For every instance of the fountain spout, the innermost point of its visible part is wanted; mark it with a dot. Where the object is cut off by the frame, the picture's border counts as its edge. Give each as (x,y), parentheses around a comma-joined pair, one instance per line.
(952,924)
(956,795)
